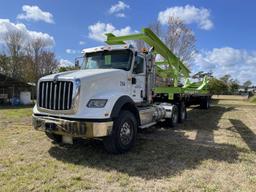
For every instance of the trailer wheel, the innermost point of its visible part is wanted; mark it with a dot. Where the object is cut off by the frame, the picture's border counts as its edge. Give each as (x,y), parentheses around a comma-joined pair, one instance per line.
(182,112)
(123,134)
(172,122)
(205,103)
(54,137)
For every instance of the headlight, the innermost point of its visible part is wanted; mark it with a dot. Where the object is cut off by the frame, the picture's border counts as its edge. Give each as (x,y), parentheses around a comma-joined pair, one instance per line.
(97,103)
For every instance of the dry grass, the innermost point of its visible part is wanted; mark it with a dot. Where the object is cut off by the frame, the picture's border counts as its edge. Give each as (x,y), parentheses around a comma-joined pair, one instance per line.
(253,99)
(229,97)
(215,150)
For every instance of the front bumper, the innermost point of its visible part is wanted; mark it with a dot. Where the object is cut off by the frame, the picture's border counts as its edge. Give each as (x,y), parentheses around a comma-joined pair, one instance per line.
(74,128)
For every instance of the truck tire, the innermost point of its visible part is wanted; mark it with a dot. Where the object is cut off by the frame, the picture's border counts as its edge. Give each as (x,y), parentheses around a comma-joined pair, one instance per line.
(172,122)
(54,137)
(123,134)
(182,112)
(205,103)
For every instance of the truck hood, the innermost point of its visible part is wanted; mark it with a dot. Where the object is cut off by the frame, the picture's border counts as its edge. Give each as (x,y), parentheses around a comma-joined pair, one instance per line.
(86,74)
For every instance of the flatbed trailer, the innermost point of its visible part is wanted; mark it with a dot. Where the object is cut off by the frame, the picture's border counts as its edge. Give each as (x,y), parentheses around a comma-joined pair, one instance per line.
(191,94)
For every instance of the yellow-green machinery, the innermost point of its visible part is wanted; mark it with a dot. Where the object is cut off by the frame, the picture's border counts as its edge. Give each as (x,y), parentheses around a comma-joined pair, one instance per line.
(176,69)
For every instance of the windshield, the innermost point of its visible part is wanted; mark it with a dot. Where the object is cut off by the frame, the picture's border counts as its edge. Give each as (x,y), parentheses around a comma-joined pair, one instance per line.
(119,59)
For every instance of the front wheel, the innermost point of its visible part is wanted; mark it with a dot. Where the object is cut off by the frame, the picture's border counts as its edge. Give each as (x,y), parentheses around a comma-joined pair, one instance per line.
(123,134)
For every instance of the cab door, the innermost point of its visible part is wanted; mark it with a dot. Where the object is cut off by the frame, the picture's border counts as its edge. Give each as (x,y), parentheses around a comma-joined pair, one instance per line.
(139,79)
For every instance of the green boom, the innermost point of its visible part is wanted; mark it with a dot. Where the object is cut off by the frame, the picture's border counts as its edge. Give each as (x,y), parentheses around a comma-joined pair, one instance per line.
(176,67)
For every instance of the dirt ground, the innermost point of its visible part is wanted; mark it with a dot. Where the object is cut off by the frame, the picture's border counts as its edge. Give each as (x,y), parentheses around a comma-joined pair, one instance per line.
(214,150)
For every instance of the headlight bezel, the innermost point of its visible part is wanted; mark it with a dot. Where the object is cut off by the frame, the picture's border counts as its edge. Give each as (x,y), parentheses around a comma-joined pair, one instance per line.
(97,103)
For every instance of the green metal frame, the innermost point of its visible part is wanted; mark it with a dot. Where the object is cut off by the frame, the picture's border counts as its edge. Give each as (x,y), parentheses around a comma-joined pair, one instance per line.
(175,66)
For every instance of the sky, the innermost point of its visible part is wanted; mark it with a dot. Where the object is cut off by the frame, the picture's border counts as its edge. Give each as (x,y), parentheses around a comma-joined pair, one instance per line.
(225,30)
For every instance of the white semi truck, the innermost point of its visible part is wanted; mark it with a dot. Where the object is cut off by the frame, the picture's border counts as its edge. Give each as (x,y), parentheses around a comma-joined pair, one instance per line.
(113,95)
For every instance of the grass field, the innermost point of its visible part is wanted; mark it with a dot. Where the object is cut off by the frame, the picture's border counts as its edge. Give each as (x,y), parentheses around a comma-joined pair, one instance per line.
(253,99)
(214,150)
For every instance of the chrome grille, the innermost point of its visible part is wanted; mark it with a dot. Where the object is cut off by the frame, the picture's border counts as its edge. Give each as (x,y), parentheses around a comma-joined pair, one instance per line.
(55,95)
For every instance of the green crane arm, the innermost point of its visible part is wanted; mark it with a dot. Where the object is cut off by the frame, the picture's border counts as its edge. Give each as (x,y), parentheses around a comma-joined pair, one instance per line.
(159,47)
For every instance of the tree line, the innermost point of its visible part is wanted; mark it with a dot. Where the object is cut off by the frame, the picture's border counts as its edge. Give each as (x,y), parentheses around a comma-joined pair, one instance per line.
(224,85)
(26,60)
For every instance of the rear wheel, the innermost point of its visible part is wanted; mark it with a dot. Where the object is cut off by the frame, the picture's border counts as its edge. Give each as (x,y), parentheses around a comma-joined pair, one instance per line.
(123,134)
(182,112)
(205,103)
(172,122)
(54,137)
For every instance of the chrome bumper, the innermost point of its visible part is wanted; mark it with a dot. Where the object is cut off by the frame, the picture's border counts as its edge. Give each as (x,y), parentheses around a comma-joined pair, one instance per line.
(72,128)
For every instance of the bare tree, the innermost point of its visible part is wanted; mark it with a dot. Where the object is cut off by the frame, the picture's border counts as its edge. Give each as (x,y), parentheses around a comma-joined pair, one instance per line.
(48,63)
(26,59)
(180,39)
(39,60)
(14,41)
(36,48)
(156,28)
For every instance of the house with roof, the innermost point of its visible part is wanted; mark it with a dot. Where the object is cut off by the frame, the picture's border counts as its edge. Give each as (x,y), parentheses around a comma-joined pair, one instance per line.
(13,91)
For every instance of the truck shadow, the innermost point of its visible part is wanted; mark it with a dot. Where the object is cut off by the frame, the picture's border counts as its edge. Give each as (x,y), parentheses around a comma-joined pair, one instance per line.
(205,122)
(245,132)
(161,153)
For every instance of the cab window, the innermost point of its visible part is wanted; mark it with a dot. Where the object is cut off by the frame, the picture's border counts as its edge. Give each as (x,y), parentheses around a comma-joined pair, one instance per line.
(138,65)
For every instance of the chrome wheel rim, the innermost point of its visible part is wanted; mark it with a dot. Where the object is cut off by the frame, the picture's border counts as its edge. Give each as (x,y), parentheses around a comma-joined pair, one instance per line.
(126,132)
